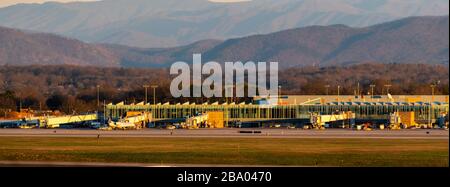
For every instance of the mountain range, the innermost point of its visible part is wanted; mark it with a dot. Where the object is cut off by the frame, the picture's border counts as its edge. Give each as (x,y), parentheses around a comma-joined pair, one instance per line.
(409,40)
(171,23)
(23,48)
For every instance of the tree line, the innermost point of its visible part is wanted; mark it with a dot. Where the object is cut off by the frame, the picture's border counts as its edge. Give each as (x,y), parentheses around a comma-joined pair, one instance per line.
(82,89)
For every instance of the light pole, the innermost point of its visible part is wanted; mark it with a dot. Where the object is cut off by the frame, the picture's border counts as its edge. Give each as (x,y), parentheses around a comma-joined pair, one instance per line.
(154,93)
(20,104)
(357,91)
(433,86)
(146,87)
(229,97)
(372,86)
(338,92)
(98,96)
(388,86)
(327,87)
(46,95)
(279,95)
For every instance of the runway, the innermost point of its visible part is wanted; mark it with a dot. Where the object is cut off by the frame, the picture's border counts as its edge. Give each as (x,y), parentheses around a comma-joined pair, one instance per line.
(233,133)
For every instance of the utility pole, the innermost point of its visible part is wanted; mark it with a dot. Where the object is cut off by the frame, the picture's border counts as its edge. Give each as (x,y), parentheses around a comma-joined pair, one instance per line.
(146,87)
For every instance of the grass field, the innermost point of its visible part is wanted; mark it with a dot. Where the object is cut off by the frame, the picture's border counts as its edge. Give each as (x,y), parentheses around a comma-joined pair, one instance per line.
(229,151)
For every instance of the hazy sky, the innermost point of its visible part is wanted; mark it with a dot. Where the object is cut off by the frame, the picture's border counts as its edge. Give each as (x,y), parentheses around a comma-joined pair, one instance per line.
(4,3)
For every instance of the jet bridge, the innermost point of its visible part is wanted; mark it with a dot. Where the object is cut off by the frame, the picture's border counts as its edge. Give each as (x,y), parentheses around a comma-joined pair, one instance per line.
(318,121)
(56,121)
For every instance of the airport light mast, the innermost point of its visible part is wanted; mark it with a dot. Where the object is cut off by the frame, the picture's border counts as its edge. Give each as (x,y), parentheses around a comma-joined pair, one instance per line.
(98,96)
(358,92)
(279,95)
(146,87)
(433,86)
(388,86)
(228,97)
(338,93)
(154,94)
(372,86)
